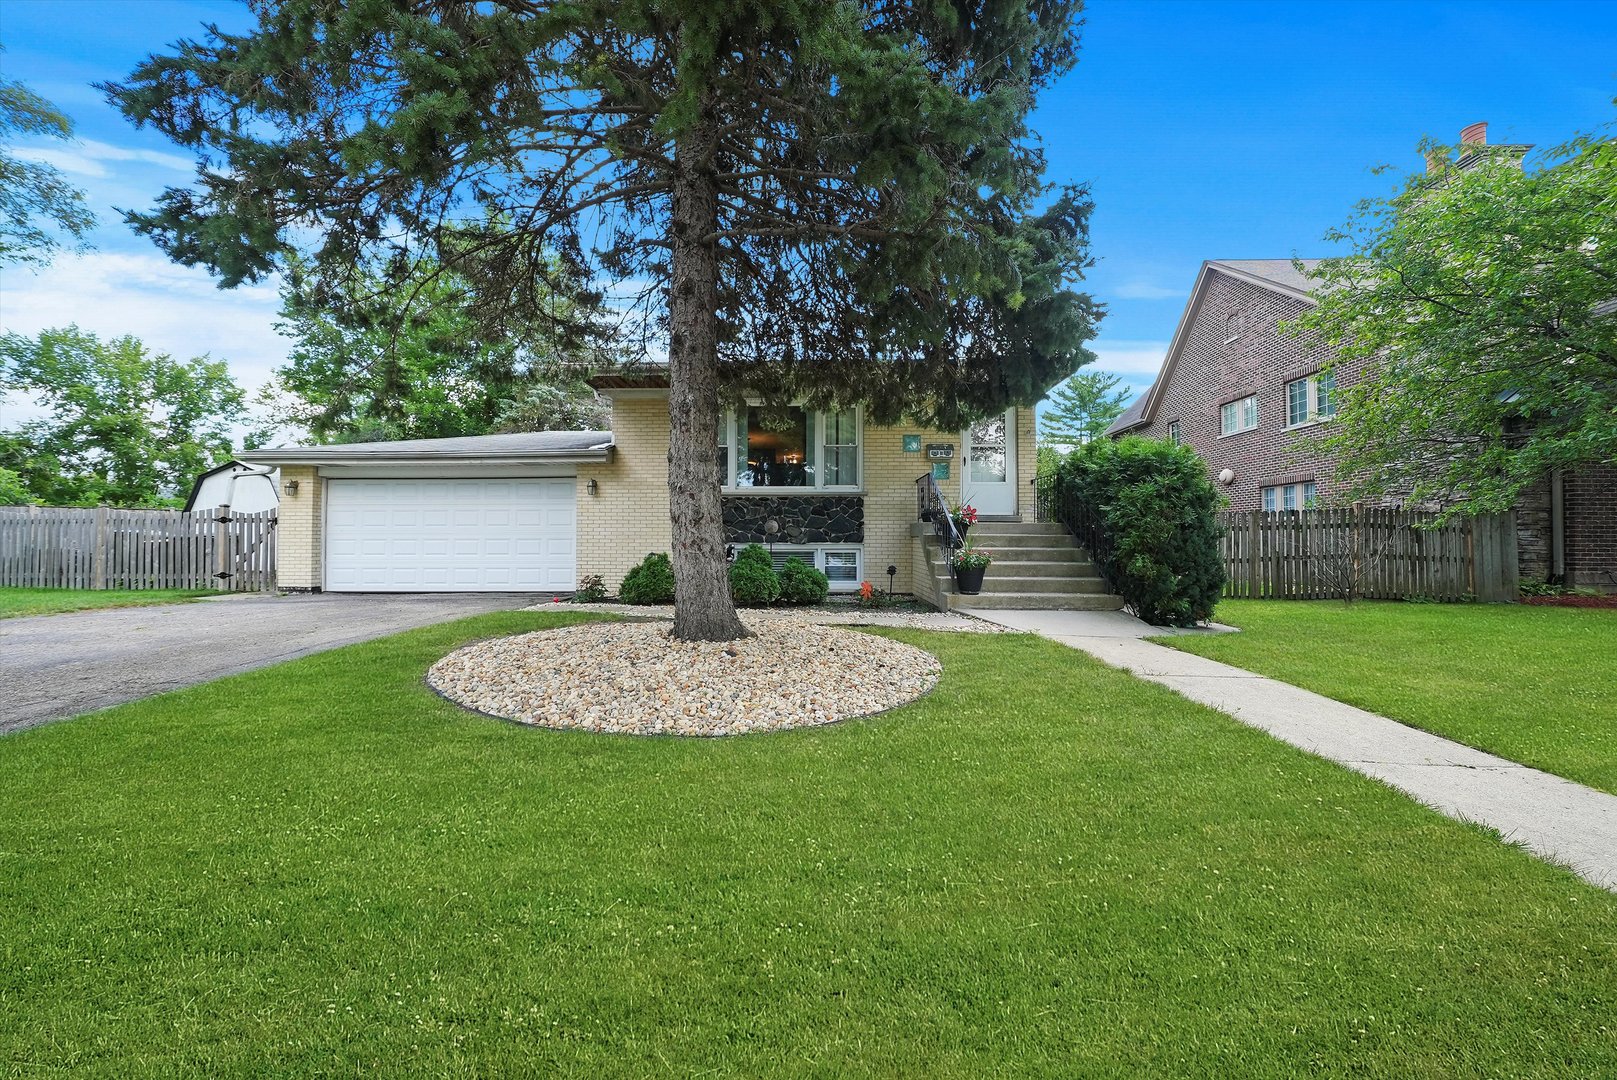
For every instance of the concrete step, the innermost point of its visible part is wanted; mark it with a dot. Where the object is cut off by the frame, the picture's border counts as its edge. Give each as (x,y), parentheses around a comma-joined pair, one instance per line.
(998,583)
(978,538)
(1036,601)
(1024,528)
(1027,568)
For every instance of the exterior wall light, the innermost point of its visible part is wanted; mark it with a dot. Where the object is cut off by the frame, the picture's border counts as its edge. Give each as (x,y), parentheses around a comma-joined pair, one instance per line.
(1227,477)
(290,487)
(591,486)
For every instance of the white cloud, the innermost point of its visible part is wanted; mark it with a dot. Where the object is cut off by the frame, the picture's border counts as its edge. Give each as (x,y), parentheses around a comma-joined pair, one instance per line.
(1130,359)
(172,308)
(1144,290)
(85,157)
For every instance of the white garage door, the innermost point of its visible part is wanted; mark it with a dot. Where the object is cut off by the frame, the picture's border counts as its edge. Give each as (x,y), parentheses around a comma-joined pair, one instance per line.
(450,535)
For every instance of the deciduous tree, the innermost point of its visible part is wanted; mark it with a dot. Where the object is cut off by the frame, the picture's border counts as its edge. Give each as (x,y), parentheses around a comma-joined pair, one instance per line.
(1480,301)
(835,201)
(37,204)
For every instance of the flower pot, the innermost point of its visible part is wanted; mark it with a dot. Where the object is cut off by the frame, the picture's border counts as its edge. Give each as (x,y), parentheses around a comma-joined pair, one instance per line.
(961,527)
(969,579)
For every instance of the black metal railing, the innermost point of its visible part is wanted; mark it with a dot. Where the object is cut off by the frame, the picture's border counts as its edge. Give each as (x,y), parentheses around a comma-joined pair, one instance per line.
(930,506)
(1087,525)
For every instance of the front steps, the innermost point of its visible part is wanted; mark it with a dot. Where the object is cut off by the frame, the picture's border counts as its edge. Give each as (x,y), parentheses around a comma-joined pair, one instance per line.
(1037,565)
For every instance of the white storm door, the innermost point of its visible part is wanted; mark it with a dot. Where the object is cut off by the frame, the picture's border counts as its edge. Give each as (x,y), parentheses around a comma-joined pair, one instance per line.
(988,473)
(450,535)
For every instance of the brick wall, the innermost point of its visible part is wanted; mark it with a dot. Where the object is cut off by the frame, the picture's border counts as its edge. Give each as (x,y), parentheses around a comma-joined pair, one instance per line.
(299,542)
(1234,348)
(1591,527)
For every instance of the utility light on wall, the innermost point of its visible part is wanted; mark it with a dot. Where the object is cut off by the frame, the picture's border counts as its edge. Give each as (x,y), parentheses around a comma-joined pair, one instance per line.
(1227,477)
(591,486)
(290,487)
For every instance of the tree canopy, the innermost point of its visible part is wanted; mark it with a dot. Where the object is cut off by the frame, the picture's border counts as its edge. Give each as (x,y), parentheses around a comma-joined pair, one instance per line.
(1082,408)
(122,426)
(37,204)
(834,202)
(1481,300)
(415,363)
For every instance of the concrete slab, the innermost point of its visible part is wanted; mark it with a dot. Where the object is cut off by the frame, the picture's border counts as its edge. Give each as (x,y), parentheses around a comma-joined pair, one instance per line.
(1089,624)
(1554,818)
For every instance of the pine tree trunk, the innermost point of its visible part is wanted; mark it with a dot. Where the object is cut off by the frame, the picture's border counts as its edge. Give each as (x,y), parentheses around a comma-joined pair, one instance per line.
(703,609)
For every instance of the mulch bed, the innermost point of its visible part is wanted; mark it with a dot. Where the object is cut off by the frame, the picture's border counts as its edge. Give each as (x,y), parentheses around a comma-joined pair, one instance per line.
(1608,601)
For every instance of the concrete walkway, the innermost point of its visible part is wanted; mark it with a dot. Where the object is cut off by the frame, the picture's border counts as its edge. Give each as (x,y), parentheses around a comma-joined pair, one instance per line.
(1556,819)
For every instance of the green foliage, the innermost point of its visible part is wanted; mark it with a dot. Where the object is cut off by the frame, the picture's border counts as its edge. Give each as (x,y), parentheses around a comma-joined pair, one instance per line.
(876,186)
(1158,508)
(387,361)
(123,427)
(753,581)
(1082,408)
(652,582)
(973,558)
(13,492)
(800,583)
(1475,298)
(37,204)
(591,590)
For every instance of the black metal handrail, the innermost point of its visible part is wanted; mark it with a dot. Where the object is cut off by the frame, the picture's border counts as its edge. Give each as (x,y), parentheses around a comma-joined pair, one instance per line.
(930,506)
(1088,526)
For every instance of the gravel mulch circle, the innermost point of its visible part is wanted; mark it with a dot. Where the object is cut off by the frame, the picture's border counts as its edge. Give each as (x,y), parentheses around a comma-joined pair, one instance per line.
(633,678)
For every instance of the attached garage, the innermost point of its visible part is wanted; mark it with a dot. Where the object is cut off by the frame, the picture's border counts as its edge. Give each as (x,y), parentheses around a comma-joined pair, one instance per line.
(451,535)
(487,513)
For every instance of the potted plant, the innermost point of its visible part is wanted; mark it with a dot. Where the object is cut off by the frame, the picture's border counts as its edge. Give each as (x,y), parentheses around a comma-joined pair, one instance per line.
(965,516)
(970,563)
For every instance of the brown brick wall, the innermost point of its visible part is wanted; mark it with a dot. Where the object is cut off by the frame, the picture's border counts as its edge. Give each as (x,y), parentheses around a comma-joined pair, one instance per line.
(1591,527)
(1235,347)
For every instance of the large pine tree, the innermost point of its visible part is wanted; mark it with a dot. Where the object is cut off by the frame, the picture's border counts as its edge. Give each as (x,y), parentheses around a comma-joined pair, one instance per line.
(825,200)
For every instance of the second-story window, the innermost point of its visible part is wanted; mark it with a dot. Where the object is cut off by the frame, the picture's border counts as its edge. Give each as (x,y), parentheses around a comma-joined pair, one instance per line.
(1175,436)
(1310,399)
(1239,415)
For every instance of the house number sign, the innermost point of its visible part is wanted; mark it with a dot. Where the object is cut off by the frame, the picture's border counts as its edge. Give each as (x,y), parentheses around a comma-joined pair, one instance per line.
(939,451)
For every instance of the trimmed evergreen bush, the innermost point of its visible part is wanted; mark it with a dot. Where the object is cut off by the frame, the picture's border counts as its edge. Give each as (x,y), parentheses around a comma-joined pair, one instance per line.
(1158,507)
(652,582)
(800,583)
(753,581)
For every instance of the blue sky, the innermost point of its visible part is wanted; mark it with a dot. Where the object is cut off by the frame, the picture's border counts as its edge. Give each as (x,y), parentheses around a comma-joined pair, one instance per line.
(1207,131)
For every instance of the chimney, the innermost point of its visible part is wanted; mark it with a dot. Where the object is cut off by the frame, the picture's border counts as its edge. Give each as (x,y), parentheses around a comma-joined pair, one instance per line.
(1474,134)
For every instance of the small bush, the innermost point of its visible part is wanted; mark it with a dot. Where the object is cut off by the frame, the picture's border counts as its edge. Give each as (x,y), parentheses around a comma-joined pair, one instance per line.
(652,582)
(1158,507)
(800,583)
(753,581)
(591,590)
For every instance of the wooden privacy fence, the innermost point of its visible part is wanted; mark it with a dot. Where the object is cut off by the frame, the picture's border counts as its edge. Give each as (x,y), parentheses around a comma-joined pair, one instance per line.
(60,548)
(1371,552)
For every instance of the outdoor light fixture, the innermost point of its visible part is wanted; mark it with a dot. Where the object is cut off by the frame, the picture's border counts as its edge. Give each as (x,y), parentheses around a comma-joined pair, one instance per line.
(591,486)
(290,487)
(892,572)
(1227,477)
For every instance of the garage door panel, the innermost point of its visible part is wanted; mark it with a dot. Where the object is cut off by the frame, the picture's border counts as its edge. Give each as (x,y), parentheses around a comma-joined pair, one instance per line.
(450,535)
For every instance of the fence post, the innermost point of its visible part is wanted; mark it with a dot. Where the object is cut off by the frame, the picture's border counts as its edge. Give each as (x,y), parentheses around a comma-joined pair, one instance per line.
(1254,534)
(221,546)
(98,553)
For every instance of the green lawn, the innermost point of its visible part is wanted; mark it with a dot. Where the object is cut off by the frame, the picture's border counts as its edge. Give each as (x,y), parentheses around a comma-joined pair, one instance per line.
(15,602)
(1043,867)
(1534,684)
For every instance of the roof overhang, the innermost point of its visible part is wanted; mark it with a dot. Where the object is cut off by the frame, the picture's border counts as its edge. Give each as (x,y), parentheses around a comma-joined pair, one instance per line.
(325,455)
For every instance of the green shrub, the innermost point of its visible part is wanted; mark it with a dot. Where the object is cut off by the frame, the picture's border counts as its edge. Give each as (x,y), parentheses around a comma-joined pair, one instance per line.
(800,583)
(591,590)
(1157,505)
(753,581)
(652,582)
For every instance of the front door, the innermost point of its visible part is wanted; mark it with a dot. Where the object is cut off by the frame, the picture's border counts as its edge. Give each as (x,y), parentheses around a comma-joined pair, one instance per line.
(988,480)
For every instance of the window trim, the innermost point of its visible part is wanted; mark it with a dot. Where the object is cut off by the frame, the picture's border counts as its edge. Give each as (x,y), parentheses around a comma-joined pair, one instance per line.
(816,554)
(1305,492)
(1311,401)
(1236,402)
(728,418)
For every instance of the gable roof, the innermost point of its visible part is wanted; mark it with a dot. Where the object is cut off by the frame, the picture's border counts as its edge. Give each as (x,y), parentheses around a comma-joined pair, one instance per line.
(520,446)
(1277,275)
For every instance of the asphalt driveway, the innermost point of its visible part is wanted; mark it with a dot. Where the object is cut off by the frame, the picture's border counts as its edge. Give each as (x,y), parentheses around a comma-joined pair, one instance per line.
(56,666)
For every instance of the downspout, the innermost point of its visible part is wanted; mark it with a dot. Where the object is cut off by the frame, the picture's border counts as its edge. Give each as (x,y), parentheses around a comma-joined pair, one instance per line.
(1557,527)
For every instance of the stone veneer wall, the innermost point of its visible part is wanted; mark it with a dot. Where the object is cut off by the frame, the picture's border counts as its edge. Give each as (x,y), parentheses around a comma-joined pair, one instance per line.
(802,519)
(299,539)
(628,517)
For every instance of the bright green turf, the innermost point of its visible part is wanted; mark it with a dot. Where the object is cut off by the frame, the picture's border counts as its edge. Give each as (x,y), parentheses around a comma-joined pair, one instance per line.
(1534,684)
(15,602)
(1045,867)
